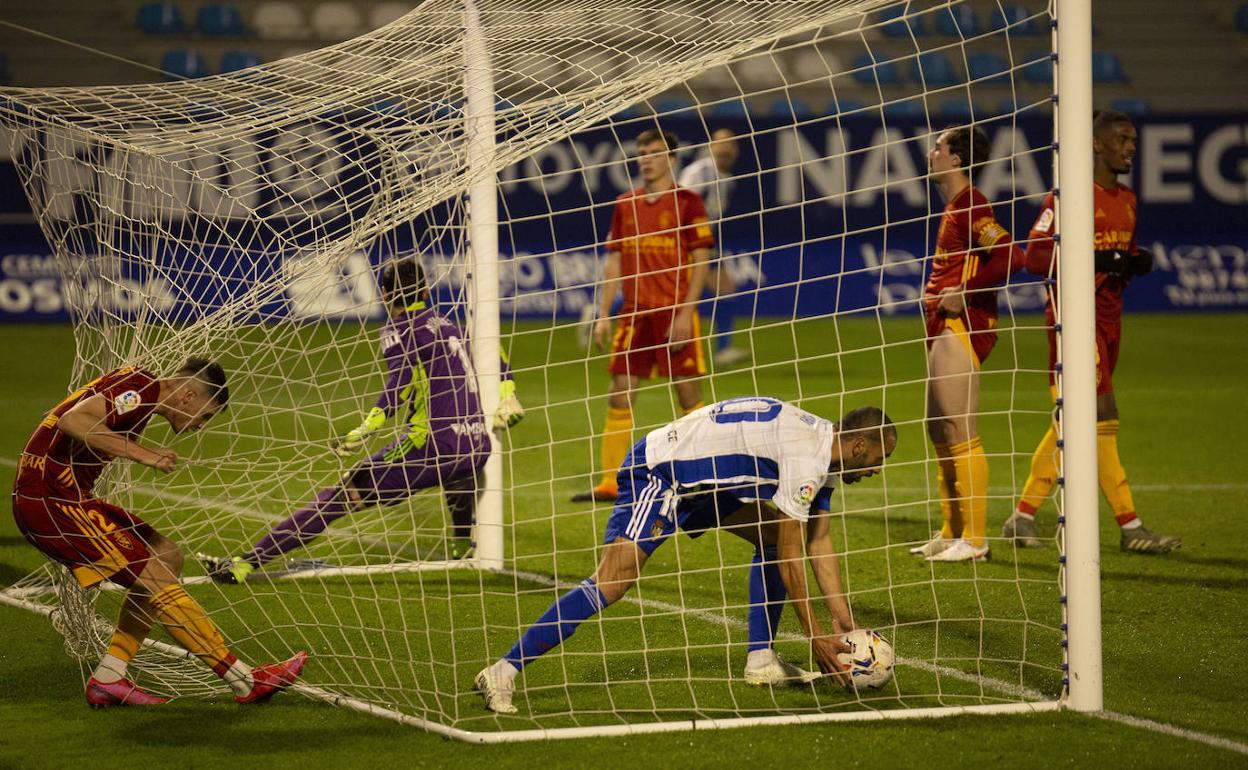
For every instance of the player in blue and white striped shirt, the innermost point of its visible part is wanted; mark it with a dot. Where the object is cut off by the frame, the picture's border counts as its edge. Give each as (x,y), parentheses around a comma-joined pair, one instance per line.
(758,467)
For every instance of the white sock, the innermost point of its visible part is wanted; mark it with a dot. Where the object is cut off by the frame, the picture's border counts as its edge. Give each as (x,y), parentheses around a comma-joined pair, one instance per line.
(1133,524)
(238,677)
(111,669)
(1024,514)
(760,658)
(504,669)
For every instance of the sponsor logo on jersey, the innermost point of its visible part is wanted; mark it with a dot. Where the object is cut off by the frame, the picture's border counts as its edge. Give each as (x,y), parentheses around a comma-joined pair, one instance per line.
(805,493)
(1045,221)
(127,402)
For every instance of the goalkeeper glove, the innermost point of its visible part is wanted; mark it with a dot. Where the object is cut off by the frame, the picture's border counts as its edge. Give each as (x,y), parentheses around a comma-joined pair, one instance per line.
(1139,263)
(509,410)
(348,445)
(1108,261)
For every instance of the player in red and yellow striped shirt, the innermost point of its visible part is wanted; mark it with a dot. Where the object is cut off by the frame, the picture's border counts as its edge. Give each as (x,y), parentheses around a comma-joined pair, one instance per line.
(57,510)
(1117,260)
(974,255)
(657,254)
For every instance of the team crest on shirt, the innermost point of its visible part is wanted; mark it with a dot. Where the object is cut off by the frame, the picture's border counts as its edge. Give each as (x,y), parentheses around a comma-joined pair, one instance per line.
(805,493)
(657,530)
(127,402)
(665,220)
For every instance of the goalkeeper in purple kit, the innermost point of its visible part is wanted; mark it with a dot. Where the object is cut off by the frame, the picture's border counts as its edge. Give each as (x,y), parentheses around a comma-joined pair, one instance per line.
(431,382)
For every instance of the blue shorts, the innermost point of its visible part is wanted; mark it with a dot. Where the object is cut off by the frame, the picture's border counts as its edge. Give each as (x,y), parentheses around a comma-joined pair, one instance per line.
(648,509)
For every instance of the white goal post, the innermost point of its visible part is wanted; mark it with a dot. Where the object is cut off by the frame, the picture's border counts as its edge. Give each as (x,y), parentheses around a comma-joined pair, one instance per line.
(247,216)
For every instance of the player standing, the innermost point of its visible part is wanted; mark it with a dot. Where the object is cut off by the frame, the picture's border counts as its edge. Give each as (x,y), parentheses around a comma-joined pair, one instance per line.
(1117,260)
(711,178)
(657,254)
(974,254)
(757,467)
(445,444)
(56,508)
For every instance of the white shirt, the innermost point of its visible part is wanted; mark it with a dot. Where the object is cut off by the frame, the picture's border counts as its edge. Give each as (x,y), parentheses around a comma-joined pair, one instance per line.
(703,177)
(766,448)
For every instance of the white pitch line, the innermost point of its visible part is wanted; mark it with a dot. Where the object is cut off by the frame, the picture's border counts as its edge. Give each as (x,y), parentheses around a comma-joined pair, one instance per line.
(1178,732)
(725,621)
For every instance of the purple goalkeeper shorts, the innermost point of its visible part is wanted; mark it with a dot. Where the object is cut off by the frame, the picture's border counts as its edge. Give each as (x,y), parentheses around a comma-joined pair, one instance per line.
(392,475)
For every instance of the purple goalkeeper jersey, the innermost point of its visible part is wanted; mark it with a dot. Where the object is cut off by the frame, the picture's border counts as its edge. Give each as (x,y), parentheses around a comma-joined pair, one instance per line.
(432,381)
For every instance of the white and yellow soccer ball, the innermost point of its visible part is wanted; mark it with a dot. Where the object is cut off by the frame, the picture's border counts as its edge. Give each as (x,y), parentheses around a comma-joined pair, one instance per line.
(871,662)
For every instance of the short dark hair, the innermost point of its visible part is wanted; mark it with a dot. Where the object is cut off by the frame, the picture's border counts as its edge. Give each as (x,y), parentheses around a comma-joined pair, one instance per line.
(1103,119)
(668,139)
(970,144)
(872,422)
(403,280)
(210,374)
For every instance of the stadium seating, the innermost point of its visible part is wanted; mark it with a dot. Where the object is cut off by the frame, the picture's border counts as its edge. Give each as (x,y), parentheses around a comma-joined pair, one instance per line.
(956,108)
(336,21)
(847,106)
(160,19)
(901,28)
(1241,18)
(1017,19)
(729,109)
(934,69)
(384,13)
(232,61)
(219,20)
(1040,68)
(958,21)
(671,104)
(987,67)
(1132,105)
(909,109)
(866,71)
(791,107)
(4,70)
(280,20)
(183,63)
(1107,68)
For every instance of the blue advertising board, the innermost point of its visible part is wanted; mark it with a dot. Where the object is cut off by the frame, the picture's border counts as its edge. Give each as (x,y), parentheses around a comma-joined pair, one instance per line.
(833,216)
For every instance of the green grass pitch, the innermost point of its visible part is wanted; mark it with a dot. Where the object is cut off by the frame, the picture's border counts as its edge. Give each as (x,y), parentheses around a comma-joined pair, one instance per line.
(1173,630)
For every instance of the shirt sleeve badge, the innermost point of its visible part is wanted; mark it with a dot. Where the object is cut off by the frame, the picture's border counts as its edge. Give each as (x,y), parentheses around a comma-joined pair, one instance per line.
(127,402)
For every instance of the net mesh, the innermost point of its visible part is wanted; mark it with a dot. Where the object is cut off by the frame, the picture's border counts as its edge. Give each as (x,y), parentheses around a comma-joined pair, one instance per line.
(245,217)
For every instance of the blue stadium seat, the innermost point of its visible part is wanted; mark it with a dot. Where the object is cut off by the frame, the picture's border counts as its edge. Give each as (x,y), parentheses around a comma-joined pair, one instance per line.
(233,61)
(908,109)
(4,70)
(671,104)
(1241,18)
(789,108)
(989,68)
(866,71)
(1132,105)
(1040,68)
(160,19)
(219,20)
(730,109)
(1017,19)
(933,68)
(957,108)
(183,63)
(1107,68)
(846,106)
(957,21)
(901,28)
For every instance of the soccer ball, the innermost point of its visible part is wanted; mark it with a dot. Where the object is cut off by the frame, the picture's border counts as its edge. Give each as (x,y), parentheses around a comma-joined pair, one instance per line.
(871,662)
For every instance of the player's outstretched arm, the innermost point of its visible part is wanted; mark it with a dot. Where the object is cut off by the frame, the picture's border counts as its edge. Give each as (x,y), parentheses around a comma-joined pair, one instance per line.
(87,422)
(790,538)
(827,569)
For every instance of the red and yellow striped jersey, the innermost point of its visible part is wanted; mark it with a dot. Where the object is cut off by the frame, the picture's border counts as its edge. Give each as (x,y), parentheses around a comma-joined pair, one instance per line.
(972,250)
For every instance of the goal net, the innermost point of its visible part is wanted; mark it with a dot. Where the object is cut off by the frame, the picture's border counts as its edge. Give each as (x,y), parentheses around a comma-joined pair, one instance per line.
(246,217)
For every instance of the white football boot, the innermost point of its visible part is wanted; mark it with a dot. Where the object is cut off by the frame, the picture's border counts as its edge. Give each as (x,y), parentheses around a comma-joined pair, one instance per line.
(962,550)
(496,688)
(933,546)
(776,672)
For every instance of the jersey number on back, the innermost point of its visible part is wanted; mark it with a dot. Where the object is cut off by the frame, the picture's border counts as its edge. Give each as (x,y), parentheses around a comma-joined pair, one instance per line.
(746,410)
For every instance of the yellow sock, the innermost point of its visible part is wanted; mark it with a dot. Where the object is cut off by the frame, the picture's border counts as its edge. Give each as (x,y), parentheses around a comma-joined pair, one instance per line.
(1112,476)
(949,512)
(187,623)
(1043,473)
(971,483)
(617,439)
(695,407)
(124,645)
